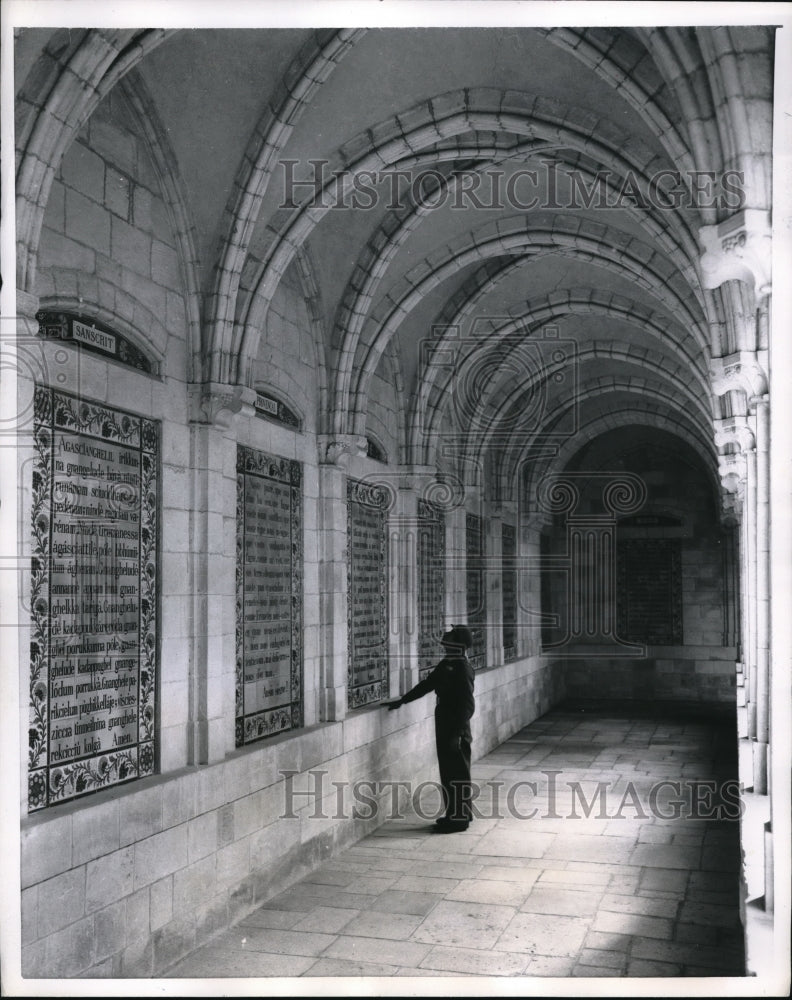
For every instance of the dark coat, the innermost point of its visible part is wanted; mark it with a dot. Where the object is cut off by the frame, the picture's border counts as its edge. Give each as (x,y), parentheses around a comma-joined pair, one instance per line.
(452,682)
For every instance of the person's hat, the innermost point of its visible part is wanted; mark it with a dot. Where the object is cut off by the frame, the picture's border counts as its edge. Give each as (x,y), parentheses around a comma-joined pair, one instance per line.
(458,635)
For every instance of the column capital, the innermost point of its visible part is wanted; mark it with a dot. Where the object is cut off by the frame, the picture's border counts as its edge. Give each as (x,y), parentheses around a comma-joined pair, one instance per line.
(734,431)
(217,403)
(739,371)
(738,249)
(733,472)
(339,449)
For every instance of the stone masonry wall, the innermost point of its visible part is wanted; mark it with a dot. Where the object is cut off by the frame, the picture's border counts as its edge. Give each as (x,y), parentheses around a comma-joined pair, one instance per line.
(288,361)
(129,881)
(107,241)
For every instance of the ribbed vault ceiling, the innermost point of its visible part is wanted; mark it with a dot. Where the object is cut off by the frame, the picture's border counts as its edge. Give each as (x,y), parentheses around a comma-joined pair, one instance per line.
(486,120)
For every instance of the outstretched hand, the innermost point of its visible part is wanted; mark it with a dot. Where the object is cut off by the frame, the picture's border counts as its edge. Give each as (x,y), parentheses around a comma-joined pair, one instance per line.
(394,704)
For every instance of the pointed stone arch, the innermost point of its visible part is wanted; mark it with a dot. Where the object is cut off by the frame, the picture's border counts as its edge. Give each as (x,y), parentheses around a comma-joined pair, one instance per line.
(407,135)
(63,98)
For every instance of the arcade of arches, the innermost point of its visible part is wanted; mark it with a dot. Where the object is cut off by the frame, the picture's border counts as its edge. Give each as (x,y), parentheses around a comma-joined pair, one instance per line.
(338,337)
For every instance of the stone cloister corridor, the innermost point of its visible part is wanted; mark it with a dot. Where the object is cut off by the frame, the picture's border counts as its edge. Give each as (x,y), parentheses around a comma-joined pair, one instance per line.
(385,355)
(550,881)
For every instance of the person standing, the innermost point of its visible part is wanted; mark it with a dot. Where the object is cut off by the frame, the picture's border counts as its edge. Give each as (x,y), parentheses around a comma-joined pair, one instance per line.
(452,682)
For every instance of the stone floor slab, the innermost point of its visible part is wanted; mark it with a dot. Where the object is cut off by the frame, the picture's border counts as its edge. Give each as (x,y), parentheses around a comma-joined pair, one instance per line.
(476,926)
(273,941)
(560,900)
(327,919)
(283,919)
(613,960)
(573,847)
(501,873)
(633,923)
(666,856)
(516,844)
(216,962)
(549,967)
(466,962)
(375,924)
(401,901)
(553,896)
(490,891)
(383,951)
(544,934)
(648,907)
(346,967)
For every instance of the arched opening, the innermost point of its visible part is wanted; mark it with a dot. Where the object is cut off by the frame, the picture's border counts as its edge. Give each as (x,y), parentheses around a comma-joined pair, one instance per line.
(642,600)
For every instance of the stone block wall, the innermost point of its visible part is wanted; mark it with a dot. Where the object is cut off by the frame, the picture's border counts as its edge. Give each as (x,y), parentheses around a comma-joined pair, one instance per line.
(127,882)
(108,244)
(288,362)
(702,590)
(383,416)
(693,674)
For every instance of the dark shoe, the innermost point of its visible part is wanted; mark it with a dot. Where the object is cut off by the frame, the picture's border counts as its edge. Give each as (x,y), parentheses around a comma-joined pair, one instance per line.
(451,825)
(445,820)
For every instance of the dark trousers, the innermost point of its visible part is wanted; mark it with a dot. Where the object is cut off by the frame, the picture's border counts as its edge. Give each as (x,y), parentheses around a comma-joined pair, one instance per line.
(453,757)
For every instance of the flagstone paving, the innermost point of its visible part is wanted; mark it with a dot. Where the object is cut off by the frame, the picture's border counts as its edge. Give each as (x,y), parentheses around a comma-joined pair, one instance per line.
(578,874)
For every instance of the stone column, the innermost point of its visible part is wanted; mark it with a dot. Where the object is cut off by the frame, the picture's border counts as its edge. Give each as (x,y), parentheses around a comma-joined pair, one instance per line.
(456,561)
(404,589)
(334,456)
(493,585)
(529,589)
(739,249)
(509,516)
(732,572)
(762,592)
(737,468)
(212,671)
(740,468)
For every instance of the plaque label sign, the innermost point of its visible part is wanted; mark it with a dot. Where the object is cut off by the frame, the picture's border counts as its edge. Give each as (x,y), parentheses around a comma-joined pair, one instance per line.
(509,591)
(94,337)
(273,409)
(649,589)
(93,650)
(431,582)
(476,600)
(269,612)
(367,602)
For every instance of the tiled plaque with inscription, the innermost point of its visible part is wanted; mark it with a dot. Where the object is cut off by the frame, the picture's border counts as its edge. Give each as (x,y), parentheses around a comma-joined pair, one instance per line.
(93,650)
(476,600)
(649,589)
(269,648)
(367,579)
(431,582)
(509,591)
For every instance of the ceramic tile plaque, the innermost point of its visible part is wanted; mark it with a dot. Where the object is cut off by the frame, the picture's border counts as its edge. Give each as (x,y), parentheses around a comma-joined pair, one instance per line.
(269,649)
(367,583)
(474,577)
(94,632)
(649,589)
(509,591)
(431,585)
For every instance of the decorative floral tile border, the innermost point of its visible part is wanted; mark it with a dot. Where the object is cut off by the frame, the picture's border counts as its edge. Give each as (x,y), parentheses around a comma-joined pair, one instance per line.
(57,412)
